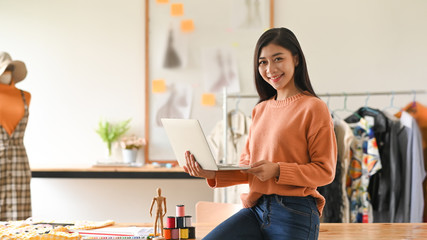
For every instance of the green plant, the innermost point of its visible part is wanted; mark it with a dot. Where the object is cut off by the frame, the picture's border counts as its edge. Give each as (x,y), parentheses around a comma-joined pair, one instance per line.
(111,132)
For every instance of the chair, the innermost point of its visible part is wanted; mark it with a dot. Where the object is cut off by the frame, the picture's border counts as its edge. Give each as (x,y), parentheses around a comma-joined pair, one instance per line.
(212,212)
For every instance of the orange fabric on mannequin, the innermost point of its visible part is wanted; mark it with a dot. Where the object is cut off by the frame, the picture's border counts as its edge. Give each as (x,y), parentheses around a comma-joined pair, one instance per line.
(12,107)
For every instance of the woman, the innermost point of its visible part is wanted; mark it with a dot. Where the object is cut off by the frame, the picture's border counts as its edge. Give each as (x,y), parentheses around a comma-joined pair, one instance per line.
(291,149)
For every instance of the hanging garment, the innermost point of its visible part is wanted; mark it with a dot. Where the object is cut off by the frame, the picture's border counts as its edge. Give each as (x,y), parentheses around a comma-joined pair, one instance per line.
(15,174)
(385,186)
(398,173)
(238,129)
(345,137)
(337,206)
(419,113)
(416,168)
(364,163)
(237,134)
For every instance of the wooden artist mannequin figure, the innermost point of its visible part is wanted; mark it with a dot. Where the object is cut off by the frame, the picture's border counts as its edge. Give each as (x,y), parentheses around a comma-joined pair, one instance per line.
(15,174)
(161,201)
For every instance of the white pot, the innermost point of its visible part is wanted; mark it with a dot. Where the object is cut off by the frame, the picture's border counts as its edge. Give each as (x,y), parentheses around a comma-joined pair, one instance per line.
(129,155)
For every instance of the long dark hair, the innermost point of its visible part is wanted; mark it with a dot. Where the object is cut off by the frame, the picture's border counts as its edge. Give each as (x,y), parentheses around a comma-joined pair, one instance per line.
(285,38)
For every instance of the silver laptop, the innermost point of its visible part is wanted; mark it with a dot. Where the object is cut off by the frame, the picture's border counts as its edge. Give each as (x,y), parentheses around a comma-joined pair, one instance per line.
(187,135)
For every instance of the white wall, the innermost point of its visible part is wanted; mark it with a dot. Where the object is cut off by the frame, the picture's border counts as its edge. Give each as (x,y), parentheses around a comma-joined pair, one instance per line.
(85,61)
(121,200)
(361,46)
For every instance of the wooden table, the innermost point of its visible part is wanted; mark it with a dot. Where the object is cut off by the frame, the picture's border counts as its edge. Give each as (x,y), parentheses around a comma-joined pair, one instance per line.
(344,231)
(110,172)
(368,231)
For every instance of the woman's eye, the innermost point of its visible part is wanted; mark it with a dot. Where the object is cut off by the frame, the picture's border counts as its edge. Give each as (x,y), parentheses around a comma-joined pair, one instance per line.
(261,62)
(278,59)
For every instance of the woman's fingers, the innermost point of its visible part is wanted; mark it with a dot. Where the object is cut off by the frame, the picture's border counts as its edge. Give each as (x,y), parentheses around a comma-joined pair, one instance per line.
(193,162)
(194,169)
(191,165)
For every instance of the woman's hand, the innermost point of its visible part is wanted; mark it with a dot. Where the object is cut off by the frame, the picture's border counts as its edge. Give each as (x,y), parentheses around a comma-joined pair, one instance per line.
(193,168)
(264,170)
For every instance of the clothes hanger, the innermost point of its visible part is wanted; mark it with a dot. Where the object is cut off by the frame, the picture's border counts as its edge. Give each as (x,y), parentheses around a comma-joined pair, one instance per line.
(391,106)
(236,108)
(345,109)
(237,103)
(327,102)
(366,107)
(368,95)
(414,102)
(412,107)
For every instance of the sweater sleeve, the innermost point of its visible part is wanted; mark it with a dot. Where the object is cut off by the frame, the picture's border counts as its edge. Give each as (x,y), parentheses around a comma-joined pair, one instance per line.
(322,150)
(228,178)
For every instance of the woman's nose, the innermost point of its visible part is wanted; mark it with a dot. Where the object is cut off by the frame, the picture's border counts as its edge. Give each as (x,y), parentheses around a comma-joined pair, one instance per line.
(271,69)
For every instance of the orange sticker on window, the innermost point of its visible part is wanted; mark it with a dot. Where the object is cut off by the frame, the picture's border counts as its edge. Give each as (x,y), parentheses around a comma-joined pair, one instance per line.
(208,99)
(187,25)
(177,9)
(158,86)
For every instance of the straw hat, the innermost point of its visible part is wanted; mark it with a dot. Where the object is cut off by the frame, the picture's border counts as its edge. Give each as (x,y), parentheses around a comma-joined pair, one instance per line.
(18,68)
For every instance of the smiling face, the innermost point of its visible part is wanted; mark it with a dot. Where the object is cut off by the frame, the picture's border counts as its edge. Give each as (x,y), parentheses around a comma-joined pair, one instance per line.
(276,65)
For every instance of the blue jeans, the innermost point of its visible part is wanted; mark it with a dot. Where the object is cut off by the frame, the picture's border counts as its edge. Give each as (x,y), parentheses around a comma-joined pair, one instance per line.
(273,218)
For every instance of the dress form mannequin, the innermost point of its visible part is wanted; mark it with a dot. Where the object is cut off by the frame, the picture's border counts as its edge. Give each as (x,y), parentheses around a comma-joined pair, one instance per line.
(15,174)
(6,77)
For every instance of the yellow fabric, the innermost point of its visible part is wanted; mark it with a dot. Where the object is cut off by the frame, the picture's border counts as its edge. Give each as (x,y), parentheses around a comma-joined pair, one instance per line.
(23,231)
(20,230)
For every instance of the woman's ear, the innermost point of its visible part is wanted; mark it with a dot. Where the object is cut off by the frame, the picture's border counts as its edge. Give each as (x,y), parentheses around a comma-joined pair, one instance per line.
(296,60)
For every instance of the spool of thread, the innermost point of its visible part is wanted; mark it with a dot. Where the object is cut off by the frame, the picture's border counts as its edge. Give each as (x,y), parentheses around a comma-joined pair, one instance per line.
(183,233)
(191,233)
(180,211)
(170,222)
(180,222)
(167,233)
(175,234)
(187,221)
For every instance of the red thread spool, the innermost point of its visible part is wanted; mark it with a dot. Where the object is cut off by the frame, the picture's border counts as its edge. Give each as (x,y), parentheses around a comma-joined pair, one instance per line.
(170,222)
(180,211)
(168,233)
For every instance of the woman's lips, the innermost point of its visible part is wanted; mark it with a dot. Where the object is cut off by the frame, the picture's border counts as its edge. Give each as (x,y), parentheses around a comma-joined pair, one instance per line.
(276,78)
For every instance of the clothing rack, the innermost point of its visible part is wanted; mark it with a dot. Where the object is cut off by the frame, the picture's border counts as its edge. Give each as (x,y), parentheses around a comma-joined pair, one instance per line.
(343,94)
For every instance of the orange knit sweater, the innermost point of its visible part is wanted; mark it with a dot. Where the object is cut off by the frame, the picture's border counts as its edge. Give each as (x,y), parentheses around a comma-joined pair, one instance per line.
(297,133)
